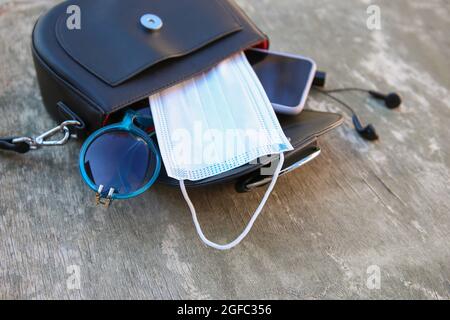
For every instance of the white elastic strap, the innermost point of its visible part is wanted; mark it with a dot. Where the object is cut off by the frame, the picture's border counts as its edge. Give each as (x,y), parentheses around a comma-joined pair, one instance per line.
(252,220)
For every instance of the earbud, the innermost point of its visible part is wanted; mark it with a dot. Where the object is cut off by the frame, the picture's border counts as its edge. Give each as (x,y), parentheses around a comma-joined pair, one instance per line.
(368,132)
(392,100)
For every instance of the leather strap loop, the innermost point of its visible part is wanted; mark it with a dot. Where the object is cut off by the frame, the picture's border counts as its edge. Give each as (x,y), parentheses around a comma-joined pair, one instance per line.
(7,144)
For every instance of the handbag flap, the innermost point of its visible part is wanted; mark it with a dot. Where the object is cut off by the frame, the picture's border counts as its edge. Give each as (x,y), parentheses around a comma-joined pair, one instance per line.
(113,45)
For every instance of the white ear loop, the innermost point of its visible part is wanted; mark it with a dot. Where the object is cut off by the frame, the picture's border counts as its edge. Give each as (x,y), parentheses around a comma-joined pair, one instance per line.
(252,220)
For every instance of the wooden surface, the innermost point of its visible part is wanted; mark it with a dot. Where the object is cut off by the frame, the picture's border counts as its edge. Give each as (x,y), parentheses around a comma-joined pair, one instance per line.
(360,204)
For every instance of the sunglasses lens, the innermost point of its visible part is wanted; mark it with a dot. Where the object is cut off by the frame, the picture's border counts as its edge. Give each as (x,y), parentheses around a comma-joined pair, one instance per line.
(120,160)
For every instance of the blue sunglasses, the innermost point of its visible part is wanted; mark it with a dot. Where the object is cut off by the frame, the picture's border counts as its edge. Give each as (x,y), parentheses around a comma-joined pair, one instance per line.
(121,161)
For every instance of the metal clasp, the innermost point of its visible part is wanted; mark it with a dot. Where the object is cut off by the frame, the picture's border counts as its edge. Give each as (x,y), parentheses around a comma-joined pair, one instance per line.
(41,141)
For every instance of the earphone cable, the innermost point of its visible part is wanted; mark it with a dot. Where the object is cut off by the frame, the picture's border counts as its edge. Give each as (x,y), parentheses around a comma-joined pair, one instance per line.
(346,90)
(329,95)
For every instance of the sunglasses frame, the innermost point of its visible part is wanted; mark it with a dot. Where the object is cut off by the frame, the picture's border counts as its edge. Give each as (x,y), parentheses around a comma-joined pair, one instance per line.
(126,125)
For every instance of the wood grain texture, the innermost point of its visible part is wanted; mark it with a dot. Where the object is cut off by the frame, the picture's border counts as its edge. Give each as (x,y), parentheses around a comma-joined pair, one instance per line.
(359,204)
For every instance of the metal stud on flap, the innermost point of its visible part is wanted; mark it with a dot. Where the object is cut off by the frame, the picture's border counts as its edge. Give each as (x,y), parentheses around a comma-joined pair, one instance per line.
(151,22)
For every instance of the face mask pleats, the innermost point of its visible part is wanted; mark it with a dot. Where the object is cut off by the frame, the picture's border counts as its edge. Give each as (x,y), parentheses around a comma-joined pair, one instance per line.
(216,122)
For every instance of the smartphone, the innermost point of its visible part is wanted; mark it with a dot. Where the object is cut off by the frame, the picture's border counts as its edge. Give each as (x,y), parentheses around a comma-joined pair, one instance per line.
(286,78)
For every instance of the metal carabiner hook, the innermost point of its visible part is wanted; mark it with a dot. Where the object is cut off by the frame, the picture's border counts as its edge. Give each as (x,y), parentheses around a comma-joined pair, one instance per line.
(41,141)
(63,127)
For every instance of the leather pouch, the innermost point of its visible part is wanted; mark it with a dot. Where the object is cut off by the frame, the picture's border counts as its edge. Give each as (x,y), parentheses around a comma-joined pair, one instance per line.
(113,62)
(302,130)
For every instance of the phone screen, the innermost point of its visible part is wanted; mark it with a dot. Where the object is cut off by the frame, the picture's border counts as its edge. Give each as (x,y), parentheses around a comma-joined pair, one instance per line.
(285,79)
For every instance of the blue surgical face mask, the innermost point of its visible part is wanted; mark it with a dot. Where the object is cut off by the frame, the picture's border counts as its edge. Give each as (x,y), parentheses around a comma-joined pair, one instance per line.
(214,123)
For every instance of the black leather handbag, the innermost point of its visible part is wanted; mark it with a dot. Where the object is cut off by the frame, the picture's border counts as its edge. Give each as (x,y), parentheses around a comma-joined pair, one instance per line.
(116,60)
(113,62)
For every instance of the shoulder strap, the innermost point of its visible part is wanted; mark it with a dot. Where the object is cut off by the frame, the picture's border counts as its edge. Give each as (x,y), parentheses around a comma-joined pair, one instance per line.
(25,144)
(8,144)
